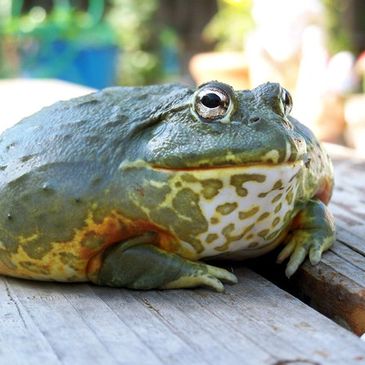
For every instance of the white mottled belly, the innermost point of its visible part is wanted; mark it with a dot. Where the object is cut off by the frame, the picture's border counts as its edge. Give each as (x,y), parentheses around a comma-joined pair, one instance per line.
(247,208)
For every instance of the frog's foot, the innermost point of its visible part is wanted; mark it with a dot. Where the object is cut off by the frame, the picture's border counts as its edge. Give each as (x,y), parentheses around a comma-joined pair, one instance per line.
(313,232)
(137,264)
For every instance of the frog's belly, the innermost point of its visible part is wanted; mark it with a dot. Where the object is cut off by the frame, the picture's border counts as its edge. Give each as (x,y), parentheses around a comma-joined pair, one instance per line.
(246,210)
(251,212)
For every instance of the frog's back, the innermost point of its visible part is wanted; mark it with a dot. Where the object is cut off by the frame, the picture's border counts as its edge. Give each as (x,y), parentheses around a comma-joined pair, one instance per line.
(55,170)
(80,129)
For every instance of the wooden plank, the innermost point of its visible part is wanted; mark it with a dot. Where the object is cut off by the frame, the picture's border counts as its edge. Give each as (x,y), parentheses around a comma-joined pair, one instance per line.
(336,286)
(254,322)
(157,315)
(18,331)
(63,313)
(64,329)
(112,331)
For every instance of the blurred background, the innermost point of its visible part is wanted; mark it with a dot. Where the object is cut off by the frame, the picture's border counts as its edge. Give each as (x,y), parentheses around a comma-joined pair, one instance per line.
(314,48)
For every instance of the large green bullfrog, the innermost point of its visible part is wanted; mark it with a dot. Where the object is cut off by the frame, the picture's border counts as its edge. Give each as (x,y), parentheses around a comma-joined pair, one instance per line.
(132,187)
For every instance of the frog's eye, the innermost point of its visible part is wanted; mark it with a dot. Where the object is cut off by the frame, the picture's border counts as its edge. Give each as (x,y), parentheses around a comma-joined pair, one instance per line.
(287,101)
(212,102)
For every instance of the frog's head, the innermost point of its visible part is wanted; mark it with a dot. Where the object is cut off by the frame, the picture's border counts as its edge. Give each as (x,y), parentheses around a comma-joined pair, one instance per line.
(217,126)
(217,167)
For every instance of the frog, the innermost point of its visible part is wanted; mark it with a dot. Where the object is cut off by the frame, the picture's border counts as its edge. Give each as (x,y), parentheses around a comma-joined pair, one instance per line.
(142,187)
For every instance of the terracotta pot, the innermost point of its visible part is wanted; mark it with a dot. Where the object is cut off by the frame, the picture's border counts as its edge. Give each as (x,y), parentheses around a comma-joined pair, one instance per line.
(228,67)
(330,123)
(355,122)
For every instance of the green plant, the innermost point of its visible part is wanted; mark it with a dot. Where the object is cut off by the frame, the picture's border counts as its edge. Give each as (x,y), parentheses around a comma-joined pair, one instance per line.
(139,37)
(49,43)
(63,22)
(229,27)
(339,37)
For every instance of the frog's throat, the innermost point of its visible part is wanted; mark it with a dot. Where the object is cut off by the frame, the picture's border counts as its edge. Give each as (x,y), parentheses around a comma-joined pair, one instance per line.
(242,208)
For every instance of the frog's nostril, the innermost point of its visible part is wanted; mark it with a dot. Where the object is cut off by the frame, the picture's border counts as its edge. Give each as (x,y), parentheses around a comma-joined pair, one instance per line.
(254,120)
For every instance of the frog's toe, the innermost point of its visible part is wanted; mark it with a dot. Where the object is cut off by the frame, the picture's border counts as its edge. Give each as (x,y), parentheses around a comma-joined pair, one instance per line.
(302,244)
(297,257)
(286,252)
(315,254)
(222,274)
(314,232)
(318,247)
(201,274)
(206,280)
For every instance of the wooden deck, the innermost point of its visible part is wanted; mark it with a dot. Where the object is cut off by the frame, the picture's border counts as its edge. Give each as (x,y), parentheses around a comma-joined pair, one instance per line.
(253,322)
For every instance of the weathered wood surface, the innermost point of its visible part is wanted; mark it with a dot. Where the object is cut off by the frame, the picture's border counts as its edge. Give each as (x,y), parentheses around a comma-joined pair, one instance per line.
(254,322)
(336,286)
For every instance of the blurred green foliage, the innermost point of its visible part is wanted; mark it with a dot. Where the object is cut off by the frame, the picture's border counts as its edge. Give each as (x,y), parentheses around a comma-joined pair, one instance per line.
(133,21)
(39,28)
(63,22)
(229,27)
(339,37)
(130,24)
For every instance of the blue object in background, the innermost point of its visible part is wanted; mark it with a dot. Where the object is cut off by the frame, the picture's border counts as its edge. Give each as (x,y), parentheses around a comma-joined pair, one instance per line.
(90,65)
(68,43)
(97,66)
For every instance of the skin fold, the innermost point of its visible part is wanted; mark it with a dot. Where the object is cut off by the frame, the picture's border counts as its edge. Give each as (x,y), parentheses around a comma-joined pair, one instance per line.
(135,187)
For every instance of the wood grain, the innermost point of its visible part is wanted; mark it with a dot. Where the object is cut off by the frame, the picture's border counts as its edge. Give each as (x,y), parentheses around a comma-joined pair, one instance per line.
(254,322)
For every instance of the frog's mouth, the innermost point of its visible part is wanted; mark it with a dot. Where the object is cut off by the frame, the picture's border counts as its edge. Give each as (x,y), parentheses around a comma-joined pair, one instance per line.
(239,167)
(270,162)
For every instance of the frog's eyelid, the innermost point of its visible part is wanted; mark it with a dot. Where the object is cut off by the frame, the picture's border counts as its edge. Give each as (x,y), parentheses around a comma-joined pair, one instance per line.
(177,108)
(158,115)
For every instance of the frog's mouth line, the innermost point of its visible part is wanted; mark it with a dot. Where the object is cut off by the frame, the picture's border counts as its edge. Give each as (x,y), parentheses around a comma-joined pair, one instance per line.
(222,167)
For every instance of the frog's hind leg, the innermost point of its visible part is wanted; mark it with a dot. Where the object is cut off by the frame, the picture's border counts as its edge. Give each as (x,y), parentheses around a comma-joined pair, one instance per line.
(137,264)
(313,232)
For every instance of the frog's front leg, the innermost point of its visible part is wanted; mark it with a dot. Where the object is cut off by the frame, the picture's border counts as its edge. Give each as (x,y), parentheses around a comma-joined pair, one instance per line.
(313,231)
(138,264)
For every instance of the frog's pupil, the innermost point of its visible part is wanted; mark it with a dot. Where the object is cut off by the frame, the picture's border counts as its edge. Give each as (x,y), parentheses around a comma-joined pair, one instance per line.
(211,100)
(286,99)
